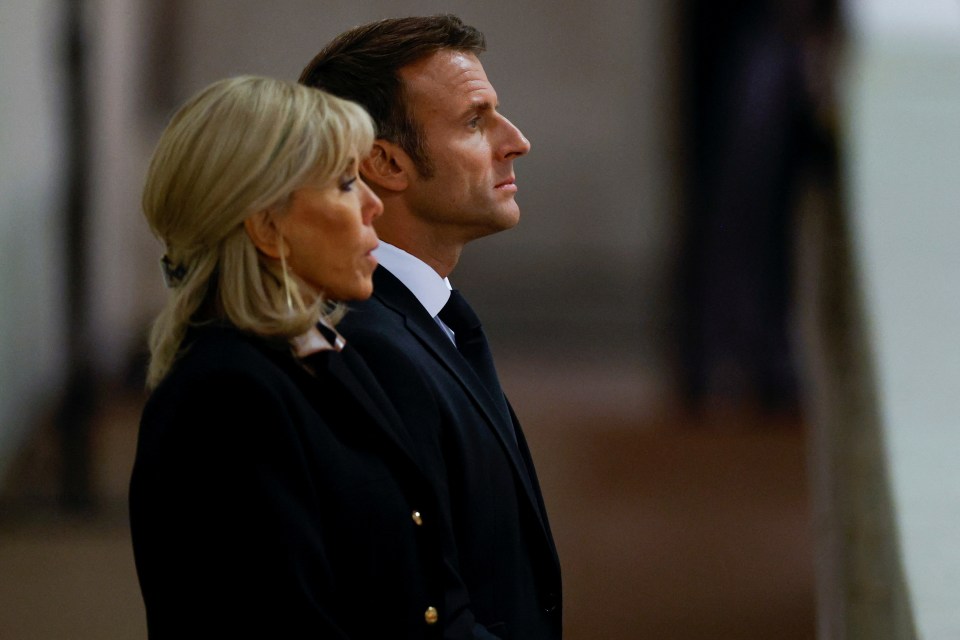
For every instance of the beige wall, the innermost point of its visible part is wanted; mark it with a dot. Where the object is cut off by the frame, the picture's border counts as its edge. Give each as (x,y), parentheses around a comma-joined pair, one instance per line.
(591,85)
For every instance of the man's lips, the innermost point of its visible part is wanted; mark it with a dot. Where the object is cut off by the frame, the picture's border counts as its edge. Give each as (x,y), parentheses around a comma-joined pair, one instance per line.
(509,183)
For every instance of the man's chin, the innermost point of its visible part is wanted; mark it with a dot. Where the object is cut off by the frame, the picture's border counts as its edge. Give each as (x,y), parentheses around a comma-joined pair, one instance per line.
(508,216)
(504,222)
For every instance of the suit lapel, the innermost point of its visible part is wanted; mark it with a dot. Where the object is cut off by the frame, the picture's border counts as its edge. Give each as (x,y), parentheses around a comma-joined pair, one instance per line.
(392,293)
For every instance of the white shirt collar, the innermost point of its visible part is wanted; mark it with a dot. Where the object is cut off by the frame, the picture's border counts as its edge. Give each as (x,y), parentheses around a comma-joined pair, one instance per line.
(416,275)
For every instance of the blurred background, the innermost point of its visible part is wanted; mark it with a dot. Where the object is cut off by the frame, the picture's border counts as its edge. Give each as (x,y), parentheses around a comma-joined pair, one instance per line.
(679,319)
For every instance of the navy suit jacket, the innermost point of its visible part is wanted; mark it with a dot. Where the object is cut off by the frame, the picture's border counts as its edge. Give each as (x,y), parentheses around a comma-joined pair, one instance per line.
(479,461)
(268,500)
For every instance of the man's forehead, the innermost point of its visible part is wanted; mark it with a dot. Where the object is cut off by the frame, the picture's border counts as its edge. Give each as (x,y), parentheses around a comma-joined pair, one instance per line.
(446,71)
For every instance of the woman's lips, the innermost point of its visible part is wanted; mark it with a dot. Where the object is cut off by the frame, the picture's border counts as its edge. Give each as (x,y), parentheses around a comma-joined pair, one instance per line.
(372,259)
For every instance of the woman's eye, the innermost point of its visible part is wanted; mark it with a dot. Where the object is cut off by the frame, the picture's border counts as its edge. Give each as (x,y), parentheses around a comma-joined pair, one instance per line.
(347,184)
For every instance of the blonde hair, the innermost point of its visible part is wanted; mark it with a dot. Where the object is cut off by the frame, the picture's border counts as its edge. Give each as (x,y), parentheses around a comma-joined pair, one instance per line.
(239,147)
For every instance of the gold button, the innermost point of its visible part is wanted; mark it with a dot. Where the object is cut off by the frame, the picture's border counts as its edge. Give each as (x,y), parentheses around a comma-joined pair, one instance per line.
(430,615)
(417,520)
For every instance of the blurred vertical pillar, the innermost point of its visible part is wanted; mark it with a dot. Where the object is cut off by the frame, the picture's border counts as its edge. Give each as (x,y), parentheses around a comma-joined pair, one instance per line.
(862,592)
(76,410)
(752,133)
(861,589)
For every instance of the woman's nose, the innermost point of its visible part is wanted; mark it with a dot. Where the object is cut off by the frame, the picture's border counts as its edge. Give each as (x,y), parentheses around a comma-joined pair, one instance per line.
(370,204)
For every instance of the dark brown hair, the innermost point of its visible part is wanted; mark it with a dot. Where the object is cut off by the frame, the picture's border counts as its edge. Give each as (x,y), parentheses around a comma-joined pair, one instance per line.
(362,65)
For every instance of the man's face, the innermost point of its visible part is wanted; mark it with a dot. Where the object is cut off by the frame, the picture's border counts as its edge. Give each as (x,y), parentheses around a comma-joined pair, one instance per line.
(471,147)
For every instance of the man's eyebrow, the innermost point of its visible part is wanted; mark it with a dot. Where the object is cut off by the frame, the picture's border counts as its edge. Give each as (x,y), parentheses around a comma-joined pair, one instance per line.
(479,107)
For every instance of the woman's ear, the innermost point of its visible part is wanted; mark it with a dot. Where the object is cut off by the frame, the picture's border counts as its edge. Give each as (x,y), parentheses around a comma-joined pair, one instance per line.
(388,166)
(263,232)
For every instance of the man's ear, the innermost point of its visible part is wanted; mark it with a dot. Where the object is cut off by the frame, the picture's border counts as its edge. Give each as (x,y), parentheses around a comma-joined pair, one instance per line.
(388,166)
(263,231)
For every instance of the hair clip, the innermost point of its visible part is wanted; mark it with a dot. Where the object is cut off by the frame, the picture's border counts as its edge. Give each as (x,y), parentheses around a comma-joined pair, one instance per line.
(172,275)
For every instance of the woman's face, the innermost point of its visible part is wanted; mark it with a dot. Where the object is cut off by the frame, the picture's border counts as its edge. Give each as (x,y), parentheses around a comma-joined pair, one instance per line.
(328,233)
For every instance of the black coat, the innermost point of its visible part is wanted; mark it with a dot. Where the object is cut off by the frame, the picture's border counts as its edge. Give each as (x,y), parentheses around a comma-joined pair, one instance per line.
(479,460)
(272,501)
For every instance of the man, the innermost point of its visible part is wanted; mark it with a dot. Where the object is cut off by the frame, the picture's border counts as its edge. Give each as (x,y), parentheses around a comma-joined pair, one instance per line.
(443,166)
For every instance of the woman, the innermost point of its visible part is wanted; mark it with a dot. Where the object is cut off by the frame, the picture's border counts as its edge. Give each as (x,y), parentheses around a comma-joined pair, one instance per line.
(274,492)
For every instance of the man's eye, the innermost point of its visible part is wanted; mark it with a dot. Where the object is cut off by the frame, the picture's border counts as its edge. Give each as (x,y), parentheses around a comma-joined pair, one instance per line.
(474,123)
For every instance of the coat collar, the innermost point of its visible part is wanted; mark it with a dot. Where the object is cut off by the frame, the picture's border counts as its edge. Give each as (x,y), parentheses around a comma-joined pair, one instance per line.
(345,368)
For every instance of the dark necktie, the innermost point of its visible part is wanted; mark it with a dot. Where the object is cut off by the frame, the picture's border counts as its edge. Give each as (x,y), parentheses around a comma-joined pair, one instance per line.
(472,344)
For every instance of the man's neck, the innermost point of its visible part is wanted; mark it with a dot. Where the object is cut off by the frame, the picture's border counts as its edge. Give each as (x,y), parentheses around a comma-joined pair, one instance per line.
(440,256)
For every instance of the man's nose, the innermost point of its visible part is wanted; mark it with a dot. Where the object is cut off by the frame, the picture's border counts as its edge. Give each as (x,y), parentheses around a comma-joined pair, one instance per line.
(515,143)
